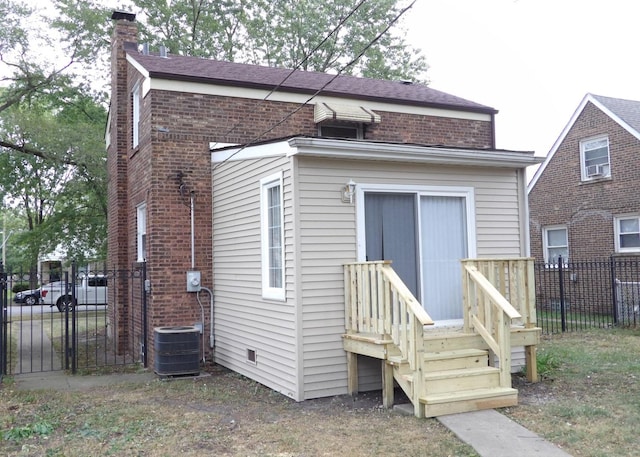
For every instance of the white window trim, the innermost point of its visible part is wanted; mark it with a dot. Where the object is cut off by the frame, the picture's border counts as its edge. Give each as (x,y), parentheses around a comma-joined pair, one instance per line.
(135,121)
(616,230)
(446,191)
(545,242)
(583,168)
(141,231)
(268,292)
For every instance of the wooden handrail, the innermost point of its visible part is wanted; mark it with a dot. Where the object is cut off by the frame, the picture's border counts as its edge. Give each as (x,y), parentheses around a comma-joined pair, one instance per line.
(413,304)
(490,314)
(489,289)
(379,303)
(514,279)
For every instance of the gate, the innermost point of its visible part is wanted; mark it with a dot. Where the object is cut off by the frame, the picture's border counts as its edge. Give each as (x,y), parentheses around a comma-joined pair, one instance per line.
(48,336)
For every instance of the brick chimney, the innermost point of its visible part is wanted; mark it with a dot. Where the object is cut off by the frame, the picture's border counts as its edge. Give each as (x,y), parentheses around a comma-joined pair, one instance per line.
(125,36)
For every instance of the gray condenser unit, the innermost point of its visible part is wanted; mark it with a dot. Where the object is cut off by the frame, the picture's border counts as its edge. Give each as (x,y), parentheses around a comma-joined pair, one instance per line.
(177,351)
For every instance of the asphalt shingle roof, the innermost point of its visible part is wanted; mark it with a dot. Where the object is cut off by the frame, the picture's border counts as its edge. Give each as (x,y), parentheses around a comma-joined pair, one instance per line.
(627,110)
(184,68)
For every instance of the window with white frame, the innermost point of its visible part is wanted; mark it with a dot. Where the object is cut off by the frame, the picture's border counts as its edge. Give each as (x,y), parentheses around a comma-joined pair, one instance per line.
(555,244)
(141,238)
(343,130)
(627,230)
(272,230)
(135,95)
(594,155)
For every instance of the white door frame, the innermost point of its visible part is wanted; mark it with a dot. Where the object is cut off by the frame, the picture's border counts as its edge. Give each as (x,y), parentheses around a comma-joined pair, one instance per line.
(443,191)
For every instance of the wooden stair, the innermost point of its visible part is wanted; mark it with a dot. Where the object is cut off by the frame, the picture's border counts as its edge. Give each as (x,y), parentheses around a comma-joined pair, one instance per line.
(455,381)
(456,375)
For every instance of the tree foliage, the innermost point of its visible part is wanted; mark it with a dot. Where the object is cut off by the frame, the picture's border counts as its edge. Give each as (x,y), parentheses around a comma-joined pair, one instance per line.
(62,205)
(317,35)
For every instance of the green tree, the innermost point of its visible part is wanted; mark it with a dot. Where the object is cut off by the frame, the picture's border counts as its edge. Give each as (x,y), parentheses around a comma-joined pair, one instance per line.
(61,196)
(52,120)
(285,33)
(292,33)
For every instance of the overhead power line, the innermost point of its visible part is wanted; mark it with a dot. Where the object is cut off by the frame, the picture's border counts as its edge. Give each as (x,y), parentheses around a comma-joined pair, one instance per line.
(324,86)
(305,59)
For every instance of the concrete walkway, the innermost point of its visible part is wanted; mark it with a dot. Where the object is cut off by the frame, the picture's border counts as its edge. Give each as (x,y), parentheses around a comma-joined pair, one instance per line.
(493,434)
(36,350)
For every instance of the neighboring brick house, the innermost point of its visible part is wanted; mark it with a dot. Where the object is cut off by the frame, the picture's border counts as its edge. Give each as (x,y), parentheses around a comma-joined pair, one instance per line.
(287,195)
(584,200)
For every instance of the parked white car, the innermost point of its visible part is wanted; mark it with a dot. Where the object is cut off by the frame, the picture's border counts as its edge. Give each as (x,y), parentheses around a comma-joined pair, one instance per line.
(90,290)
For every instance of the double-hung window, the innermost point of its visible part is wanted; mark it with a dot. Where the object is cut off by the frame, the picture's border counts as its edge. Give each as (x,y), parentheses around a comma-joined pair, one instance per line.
(555,244)
(627,230)
(135,95)
(141,238)
(272,231)
(594,156)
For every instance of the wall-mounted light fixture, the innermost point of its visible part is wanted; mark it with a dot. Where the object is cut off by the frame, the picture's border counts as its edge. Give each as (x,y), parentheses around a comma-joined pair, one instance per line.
(348,192)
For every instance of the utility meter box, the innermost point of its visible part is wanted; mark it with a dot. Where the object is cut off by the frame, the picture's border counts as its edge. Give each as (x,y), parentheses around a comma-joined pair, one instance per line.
(193,281)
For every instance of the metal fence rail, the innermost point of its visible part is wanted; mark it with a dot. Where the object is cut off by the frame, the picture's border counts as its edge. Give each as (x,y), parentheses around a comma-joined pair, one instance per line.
(576,295)
(40,337)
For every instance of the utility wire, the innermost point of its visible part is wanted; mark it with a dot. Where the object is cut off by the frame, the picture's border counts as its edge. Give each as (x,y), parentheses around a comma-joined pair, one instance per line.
(303,61)
(315,94)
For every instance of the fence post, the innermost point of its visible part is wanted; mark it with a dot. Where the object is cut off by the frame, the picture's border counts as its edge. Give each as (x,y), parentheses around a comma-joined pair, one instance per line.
(74,330)
(67,345)
(4,348)
(614,292)
(563,311)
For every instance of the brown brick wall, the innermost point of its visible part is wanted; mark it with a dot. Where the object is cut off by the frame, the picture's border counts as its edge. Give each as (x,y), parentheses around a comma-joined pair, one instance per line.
(587,208)
(432,130)
(175,132)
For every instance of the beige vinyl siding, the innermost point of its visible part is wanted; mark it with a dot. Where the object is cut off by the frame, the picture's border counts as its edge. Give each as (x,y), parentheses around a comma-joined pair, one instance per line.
(328,239)
(243,319)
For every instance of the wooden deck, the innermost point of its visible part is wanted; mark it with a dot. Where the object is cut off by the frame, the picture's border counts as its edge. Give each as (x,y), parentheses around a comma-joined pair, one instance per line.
(443,370)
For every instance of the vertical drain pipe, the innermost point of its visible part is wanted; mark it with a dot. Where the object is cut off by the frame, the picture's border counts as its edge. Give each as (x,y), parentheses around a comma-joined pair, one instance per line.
(193,263)
(193,232)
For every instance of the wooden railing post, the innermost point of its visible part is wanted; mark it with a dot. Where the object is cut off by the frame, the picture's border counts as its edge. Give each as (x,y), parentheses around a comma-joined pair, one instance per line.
(490,314)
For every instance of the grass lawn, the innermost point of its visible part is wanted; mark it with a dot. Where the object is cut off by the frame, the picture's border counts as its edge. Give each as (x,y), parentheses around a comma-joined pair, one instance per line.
(589,399)
(588,403)
(221,415)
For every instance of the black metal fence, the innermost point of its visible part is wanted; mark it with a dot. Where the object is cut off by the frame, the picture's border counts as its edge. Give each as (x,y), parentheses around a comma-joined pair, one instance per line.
(576,295)
(38,337)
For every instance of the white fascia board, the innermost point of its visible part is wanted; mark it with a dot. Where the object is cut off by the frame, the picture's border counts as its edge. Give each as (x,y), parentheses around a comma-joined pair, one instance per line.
(388,152)
(322,147)
(146,82)
(261,151)
(291,97)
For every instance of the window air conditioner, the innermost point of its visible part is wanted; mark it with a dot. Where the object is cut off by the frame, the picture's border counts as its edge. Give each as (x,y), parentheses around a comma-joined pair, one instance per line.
(594,171)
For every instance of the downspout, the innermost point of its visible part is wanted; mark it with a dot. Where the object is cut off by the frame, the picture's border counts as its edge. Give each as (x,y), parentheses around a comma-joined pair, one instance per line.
(193,265)
(193,231)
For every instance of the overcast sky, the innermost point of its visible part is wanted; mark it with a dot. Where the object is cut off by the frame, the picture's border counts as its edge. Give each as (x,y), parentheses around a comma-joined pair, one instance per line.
(533,60)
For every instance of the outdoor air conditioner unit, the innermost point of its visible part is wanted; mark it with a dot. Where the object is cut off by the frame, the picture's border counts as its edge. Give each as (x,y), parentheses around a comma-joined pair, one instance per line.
(593,171)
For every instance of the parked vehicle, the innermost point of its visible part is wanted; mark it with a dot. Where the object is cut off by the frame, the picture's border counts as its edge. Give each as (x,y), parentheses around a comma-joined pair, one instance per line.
(27,297)
(90,290)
